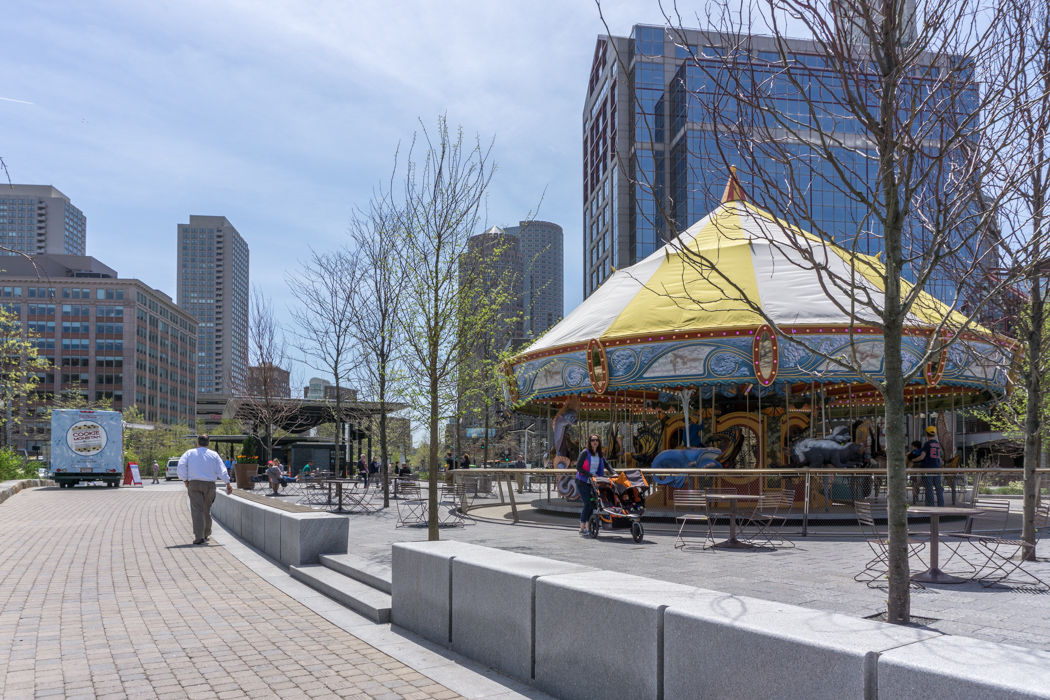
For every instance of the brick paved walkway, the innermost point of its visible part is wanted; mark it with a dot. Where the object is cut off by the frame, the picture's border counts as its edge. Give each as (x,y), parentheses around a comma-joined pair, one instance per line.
(100,596)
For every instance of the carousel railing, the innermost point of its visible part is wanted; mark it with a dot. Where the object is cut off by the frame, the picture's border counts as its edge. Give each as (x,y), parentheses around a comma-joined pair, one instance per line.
(823,497)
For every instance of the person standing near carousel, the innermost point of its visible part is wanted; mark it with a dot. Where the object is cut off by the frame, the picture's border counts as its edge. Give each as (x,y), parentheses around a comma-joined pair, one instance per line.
(591,463)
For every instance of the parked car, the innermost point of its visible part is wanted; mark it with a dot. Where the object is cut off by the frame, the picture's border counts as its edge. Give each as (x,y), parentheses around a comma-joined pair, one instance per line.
(172,470)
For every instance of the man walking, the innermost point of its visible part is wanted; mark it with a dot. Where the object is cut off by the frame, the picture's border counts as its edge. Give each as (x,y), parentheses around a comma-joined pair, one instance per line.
(362,469)
(156,472)
(931,459)
(198,469)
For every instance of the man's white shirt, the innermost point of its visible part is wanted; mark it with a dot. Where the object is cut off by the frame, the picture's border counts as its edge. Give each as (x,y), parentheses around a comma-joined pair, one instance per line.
(202,464)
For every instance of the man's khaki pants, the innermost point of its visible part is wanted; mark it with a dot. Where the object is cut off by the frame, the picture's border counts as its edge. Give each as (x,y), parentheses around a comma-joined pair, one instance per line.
(202,495)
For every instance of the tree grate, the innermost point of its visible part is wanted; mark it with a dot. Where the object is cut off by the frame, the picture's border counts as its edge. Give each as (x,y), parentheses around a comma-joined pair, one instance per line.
(916,620)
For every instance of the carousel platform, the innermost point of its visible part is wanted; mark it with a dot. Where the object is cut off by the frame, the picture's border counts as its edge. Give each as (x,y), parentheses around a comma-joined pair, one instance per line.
(837,512)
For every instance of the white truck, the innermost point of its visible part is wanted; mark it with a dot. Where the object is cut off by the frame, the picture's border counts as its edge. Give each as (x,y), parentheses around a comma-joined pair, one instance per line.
(86,446)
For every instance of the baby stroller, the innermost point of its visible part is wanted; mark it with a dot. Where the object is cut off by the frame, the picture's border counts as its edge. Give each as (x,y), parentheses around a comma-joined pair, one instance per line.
(619,503)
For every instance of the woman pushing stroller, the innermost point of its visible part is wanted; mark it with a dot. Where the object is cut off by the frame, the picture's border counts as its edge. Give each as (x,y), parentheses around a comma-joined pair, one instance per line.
(591,463)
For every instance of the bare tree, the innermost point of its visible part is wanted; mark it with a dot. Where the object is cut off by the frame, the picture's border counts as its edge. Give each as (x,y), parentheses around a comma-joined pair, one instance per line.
(439,208)
(327,289)
(377,316)
(1026,226)
(882,112)
(264,402)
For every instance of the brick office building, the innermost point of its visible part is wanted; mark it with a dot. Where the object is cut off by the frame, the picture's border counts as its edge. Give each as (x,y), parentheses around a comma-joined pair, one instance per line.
(103,337)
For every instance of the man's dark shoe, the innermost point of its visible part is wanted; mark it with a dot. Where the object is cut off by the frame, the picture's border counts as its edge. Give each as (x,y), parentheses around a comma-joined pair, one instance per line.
(198,541)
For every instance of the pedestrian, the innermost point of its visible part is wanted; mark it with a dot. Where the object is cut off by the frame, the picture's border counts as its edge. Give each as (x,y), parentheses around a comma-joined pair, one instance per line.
(520,478)
(156,472)
(199,468)
(450,462)
(591,463)
(465,462)
(931,459)
(362,469)
(273,473)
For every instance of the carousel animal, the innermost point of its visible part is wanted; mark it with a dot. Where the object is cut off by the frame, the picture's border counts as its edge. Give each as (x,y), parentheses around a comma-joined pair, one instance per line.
(565,449)
(815,453)
(685,458)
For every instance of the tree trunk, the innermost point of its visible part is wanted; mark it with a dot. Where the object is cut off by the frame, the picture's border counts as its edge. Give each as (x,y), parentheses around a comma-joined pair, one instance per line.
(1032,422)
(432,514)
(384,467)
(338,427)
(899,599)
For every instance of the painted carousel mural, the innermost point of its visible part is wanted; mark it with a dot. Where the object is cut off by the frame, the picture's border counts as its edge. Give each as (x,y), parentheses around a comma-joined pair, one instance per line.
(673,374)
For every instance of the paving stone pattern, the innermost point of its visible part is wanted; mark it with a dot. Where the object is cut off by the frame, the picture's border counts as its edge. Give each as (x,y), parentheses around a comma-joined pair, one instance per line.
(102,597)
(817,573)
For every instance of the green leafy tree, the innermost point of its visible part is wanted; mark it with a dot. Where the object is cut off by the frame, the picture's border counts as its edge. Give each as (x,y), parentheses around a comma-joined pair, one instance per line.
(20,370)
(438,208)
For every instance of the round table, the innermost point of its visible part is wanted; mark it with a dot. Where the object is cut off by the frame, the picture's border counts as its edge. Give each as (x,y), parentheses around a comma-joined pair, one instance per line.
(733,498)
(934,574)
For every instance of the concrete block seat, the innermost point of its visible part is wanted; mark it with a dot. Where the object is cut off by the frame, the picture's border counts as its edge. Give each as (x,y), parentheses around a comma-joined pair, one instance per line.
(733,646)
(493,607)
(600,634)
(960,668)
(290,534)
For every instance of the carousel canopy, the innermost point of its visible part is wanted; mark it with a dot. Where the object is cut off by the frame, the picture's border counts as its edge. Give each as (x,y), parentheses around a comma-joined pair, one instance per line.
(757,259)
(688,316)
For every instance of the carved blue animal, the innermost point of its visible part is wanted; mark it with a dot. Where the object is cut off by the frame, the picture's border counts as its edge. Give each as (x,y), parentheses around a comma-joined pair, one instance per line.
(815,453)
(685,458)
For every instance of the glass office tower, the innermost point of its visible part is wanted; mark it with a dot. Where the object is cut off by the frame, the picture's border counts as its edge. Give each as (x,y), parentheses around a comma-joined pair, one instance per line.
(654,163)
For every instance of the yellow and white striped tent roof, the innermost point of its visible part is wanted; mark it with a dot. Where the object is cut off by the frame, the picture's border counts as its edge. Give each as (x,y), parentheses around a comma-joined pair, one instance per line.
(754,256)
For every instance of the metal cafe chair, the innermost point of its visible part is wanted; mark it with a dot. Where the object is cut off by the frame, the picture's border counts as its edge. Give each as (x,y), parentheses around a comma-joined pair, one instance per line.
(1004,557)
(877,568)
(769,517)
(411,507)
(691,506)
(991,523)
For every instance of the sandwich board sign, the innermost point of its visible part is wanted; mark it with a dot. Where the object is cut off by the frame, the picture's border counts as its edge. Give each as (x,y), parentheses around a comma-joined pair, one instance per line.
(132,476)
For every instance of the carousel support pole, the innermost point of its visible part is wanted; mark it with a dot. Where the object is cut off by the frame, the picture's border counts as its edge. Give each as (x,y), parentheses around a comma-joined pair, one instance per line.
(812,409)
(686,395)
(761,461)
(805,503)
(550,461)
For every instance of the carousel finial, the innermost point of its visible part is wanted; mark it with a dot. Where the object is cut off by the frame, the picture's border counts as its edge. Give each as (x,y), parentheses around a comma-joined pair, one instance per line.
(734,191)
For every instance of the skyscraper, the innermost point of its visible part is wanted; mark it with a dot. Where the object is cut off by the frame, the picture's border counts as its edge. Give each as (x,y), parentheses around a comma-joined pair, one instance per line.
(655,160)
(213,286)
(40,220)
(543,285)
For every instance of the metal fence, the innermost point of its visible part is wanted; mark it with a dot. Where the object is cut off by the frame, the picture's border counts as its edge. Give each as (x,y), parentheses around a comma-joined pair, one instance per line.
(823,498)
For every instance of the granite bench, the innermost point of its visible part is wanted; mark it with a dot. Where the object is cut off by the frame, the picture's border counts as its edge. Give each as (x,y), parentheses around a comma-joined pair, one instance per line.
(580,633)
(292,538)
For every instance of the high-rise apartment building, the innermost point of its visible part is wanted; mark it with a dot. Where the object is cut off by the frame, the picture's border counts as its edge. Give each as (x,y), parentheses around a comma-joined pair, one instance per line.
(102,337)
(655,163)
(213,286)
(541,244)
(40,220)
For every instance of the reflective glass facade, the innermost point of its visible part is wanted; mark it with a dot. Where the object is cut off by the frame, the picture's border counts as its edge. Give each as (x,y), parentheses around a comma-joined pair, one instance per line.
(676,164)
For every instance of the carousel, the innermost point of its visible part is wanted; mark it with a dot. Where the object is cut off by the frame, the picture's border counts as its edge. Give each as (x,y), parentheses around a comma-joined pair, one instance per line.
(673,371)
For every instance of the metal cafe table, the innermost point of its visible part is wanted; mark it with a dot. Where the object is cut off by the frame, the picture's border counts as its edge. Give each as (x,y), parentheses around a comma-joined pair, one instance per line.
(339,493)
(732,498)
(934,574)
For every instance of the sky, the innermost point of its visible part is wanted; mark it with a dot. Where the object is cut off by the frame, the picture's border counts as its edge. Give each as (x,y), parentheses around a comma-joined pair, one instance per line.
(282,116)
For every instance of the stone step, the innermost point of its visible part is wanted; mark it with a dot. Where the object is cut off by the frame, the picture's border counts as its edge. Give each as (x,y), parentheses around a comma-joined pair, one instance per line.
(360,569)
(359,597)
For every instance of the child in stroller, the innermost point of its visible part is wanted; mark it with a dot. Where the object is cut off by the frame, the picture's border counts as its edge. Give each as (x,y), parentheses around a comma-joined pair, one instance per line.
(619,503)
